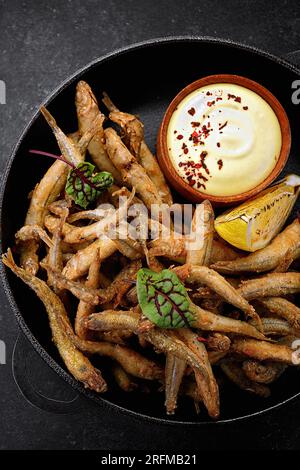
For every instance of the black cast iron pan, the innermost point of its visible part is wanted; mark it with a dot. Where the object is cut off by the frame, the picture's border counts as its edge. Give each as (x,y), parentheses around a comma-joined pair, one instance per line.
(141,79)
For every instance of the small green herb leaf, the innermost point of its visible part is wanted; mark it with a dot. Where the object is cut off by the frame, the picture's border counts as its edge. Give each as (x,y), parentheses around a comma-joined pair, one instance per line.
(164,299)
(84,186)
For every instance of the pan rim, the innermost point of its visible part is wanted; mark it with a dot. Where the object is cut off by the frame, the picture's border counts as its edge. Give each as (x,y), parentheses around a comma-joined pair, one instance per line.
(20,319)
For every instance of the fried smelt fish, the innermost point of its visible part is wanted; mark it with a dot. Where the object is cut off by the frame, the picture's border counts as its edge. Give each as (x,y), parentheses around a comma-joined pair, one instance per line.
(263,372)
(130,124)
(92,296)
(287,243)
(55,255)
(206,383)
(216,282)
(174,372)
(132,362)
(263,351)
(33,232)
(271,285)
(77,364)
(98,229)
(80,262)
(208,321)
(84,309)
(123,380)
(235,373)
(198,253)
(175,248)
(87,111)
(131,171)
(47,191)
(134,139)
(161,339)
(201,240)
(171,247)
(87,294)
(204,320)
(282,308)
(69,150)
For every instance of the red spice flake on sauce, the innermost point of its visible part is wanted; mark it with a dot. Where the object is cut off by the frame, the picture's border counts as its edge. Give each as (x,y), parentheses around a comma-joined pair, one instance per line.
(205,131)
(218,144)
(223,125)
(184,145)
(192,173)
(192,111)
(210,103)
(186,150)
(245,108)
(203,155)
(234,97)
(180,136)
(202,177)
(208,93)
(220,164)
(219,98)
(195,123)
(205,169)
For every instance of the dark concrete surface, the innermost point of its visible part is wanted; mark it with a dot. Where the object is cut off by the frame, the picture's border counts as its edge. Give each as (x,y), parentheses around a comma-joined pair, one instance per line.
(41,43)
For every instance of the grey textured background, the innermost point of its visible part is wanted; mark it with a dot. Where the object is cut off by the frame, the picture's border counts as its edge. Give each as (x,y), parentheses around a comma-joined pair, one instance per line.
(41,43)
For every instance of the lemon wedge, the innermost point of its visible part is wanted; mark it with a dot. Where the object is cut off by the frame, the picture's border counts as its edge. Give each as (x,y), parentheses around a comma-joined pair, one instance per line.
(254,223)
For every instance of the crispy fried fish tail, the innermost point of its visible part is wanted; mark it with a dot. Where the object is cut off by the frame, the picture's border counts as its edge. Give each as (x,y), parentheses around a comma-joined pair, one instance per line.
(77,364)
(174,372)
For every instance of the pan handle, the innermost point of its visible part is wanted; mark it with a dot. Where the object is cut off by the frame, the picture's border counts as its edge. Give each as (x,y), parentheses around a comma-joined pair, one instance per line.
(39,384)
(293,56)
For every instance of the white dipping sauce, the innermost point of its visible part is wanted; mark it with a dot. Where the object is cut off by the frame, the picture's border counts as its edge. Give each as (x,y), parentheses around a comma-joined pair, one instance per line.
(224,139)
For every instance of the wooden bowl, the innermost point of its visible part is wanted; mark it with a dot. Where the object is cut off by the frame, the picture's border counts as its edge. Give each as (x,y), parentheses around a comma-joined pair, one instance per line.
(163,155)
